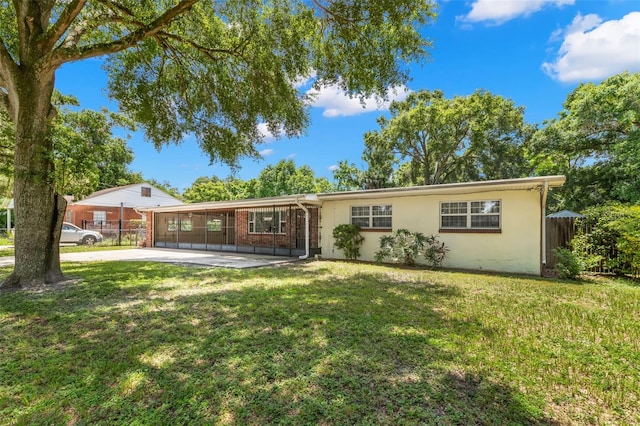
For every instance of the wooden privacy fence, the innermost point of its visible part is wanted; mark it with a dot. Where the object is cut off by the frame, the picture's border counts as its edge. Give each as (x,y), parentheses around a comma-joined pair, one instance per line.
(560,232)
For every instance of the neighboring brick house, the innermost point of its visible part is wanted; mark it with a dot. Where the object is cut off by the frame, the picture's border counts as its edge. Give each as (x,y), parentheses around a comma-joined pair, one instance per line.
(102,209)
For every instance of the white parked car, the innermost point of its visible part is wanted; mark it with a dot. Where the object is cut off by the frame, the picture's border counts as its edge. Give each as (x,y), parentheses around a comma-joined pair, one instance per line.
(73,234)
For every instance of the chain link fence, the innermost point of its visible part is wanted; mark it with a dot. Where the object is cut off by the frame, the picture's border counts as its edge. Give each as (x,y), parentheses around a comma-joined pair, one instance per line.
(119,233)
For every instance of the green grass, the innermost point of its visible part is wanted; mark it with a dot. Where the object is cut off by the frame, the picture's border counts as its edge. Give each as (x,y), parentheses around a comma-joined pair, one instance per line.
(318,343)
(74,249)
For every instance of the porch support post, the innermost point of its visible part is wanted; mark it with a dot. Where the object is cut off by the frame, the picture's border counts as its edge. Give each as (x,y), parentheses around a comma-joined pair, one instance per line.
(306,230)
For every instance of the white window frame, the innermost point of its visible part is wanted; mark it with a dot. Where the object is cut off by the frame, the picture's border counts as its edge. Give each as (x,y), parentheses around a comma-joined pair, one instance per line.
(473,209)
(360,213)
(99,217)
(276,216)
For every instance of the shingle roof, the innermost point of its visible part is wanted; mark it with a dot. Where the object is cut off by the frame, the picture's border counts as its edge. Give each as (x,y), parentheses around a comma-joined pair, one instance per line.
(108,190)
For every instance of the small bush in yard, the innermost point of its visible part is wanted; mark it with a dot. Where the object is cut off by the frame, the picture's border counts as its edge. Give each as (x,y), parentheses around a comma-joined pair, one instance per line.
(435,251)
(405,247)
(568,264)
(348,238)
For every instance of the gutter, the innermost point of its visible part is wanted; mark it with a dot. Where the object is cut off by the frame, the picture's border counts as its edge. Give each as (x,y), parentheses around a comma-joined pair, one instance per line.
(306,230)
(543,211)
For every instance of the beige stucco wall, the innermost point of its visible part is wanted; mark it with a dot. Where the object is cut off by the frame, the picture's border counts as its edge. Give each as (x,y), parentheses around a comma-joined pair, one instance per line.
(515,249)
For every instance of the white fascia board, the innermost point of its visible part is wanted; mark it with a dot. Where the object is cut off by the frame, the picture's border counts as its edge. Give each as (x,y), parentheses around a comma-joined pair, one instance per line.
(449,188)
(237,204)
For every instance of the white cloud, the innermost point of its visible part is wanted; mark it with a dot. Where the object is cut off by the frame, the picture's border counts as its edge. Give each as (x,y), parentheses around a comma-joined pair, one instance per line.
(266,152)
(581,24)
(501,11)
(592,49)
(264,131)
(304,80)
(333,167)
(336,102)
(291,156)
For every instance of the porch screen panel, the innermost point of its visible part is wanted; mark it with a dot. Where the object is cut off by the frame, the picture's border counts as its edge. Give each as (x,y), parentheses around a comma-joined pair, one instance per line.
(166,227)
(220,228)
(192,228)
(230,228)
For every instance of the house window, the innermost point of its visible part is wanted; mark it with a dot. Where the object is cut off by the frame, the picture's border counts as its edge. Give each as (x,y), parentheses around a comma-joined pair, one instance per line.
(172,225)
(145,191)
(99,218)
(470,215)
(69,216)
(267,221)
(372,217)
(214,225)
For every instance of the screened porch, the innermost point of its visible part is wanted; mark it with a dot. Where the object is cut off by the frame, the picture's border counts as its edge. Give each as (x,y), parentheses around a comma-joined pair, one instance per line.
(275,230)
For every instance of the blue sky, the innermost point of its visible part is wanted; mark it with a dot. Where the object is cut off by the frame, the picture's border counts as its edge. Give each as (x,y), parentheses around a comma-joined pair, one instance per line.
(531,51)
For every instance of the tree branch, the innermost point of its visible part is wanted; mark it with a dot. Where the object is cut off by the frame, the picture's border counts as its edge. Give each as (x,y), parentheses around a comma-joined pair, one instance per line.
(8,67)
(4,102)
(70,54)
(74,35)
(8,71)
(111,5)
(329,12)
(206,50)
(63,23)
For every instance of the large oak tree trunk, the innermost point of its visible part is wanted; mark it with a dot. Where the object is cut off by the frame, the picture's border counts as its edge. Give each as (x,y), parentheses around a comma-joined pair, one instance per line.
(39,209)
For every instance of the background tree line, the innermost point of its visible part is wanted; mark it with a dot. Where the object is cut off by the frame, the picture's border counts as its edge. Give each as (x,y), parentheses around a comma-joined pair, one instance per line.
(87,153)
(426,139)
(430,139)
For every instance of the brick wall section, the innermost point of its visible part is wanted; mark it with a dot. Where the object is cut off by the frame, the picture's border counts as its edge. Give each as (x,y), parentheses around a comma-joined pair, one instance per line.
(287,240)
(244,238)
(149,236)
(314,227)
(82,212)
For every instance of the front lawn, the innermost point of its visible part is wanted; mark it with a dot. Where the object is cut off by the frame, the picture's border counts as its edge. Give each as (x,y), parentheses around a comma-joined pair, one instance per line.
(317,343)
(74,249)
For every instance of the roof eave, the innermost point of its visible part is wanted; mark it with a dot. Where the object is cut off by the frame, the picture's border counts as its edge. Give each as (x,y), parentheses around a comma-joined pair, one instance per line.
(238,204)
(450,188)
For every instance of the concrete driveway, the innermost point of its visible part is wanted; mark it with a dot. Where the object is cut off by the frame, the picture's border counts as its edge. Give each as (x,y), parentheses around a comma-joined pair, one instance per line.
(190,257)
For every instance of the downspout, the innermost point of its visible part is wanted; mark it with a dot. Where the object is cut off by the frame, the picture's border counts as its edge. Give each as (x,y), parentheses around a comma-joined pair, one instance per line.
(306,230)
(543,214)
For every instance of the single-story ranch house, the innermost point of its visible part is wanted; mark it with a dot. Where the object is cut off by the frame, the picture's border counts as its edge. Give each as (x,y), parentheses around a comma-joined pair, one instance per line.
(494,225)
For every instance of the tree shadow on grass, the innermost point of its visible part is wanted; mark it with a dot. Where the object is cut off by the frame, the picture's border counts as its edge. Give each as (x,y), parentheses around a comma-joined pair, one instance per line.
(356,349)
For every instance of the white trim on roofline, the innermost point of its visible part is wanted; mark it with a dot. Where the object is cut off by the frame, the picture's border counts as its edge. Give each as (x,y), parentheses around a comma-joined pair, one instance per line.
(450,188)
(529,183)
(237,204)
